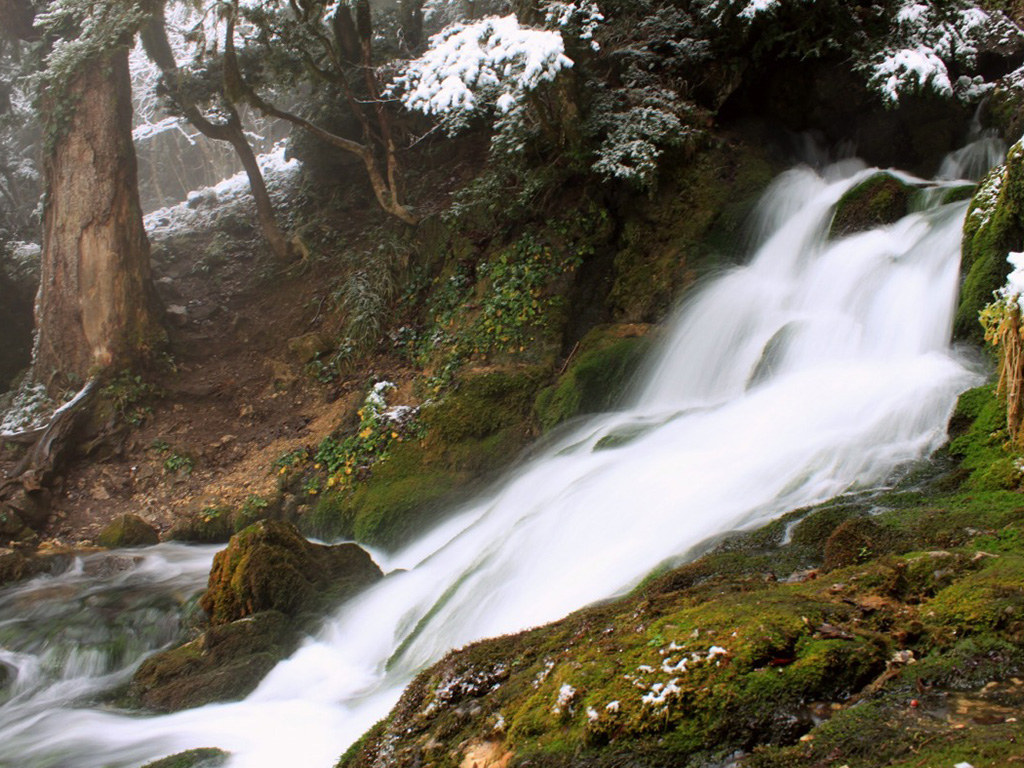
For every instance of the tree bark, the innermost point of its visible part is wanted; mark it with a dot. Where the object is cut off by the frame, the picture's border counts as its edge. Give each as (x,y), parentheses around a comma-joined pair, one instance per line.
(97,308)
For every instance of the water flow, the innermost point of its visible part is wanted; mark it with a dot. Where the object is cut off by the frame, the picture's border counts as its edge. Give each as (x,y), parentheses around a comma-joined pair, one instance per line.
(819,367)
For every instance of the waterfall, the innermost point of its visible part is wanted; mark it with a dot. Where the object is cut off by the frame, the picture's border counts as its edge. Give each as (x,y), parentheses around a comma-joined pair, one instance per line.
(819,367)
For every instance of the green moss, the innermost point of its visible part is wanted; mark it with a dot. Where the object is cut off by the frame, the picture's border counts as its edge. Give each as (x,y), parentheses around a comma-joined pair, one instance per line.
(876,201)
(981,446)
(597,376)
(484,403)
(994,226)
(695,219)
(128,531)
(194,758)
(270,566)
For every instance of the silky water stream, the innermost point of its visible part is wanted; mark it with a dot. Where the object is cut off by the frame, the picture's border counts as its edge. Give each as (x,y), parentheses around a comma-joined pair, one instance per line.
(819,367)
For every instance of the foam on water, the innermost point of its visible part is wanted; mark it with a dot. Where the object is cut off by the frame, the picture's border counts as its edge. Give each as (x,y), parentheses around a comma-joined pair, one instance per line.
(820,367)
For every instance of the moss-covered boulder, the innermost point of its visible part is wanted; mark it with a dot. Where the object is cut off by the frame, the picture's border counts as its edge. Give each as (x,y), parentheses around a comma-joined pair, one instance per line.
(265,590)
(225,663)
(128,531)
(597,376)
(879,200)
(269,566)
(994,226)
(205,757)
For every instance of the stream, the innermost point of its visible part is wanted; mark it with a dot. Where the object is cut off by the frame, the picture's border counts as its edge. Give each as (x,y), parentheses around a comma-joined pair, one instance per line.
(817,368)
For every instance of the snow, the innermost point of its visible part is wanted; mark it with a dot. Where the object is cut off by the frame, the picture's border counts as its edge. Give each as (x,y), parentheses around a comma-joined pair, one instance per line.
(915,69)
(1013,290)
(927,44)
(30,408)
(565,696)
(756,7)
(494,53)
(178,219)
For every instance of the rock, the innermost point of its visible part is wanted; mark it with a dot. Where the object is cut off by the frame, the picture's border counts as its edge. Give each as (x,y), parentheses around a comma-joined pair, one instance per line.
(309,346)
(11,524)
(853,542)
(13,565)
(128,531)
(269,566)
(33,507)
(225,663)
(876,201)
(595,376)
(177,314)
(206,757)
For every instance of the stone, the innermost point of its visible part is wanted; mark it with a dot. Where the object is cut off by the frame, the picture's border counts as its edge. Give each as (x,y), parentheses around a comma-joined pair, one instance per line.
(128,531)
(309,346)
(270,566)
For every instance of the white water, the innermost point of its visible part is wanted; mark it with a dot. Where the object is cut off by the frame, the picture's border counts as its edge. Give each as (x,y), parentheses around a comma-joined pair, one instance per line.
(818,368)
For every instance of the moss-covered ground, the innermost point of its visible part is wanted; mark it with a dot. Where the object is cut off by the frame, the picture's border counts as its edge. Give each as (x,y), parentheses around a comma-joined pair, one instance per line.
(879,629)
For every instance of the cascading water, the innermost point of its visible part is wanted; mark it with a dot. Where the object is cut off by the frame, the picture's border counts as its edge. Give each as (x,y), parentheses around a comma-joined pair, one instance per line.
(819,367)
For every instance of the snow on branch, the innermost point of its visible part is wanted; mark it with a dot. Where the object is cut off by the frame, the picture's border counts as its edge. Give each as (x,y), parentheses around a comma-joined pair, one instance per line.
(927,42)
(493,54)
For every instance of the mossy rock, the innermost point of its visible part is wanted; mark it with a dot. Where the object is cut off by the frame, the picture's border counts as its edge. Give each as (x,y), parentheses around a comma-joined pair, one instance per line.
(271,567)
(225,663)
(209,525)
(854,541)
(993,228)
(128,531)
(879,200)
(204,757)
(605,362)
(1004,111)
(693,223)
(484,402)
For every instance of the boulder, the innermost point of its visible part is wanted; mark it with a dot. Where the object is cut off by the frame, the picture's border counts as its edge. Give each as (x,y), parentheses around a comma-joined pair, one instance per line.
(269,566)
(879,200)
(225,663)
(128,531)
(205,757)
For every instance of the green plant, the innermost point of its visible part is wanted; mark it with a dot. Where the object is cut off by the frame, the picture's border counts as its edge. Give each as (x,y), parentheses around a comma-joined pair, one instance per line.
(354,455)
(179,463)
(126,393)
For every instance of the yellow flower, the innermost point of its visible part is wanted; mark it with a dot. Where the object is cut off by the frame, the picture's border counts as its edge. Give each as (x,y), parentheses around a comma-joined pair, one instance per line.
(394,435)
(366,432)
(348,470)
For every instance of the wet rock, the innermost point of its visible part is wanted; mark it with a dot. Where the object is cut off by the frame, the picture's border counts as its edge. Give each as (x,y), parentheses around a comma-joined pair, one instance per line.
(269,566)
(879,200)
(206,757)
(128,531)
(225,663)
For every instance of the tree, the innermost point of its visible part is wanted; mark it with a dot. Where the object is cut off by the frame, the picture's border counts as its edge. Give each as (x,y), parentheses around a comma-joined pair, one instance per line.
(97,310)
(333,43)
(227,128)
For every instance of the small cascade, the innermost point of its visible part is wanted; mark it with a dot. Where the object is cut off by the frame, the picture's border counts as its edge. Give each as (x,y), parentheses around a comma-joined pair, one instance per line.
(820,367)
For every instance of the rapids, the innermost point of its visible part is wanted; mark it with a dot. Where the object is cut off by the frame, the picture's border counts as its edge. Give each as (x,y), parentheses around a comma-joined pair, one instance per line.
(817,368)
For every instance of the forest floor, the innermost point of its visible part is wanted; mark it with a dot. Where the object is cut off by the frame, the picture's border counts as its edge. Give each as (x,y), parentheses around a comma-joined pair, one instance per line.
(236,392)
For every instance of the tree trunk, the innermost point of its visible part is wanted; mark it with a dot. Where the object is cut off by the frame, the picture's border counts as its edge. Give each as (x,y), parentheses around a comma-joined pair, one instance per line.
(96,307)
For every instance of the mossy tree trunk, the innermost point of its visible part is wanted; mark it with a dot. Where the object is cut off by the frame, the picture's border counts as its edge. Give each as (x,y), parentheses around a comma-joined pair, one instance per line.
(97,308)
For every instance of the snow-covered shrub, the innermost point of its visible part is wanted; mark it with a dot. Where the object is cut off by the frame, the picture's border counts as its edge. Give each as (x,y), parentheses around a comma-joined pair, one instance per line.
(929,40)
(494,60)
(638,125)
